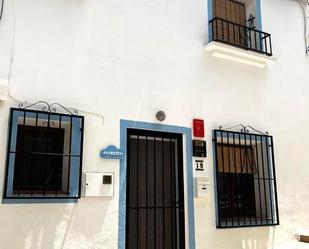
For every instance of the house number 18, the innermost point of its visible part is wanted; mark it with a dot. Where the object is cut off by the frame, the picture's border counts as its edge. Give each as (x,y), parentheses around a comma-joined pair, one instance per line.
(199,165)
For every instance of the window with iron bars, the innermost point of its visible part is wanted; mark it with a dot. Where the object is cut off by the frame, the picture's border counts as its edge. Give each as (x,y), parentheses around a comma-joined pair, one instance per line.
(44,155)
(245,179)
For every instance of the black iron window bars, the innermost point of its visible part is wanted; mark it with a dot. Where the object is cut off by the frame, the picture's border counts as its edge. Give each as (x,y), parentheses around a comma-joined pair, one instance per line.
(44,155)
(240,36)
(246,192)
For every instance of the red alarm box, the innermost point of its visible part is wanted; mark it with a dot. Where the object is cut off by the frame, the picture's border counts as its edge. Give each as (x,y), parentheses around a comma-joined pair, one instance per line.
(198,128)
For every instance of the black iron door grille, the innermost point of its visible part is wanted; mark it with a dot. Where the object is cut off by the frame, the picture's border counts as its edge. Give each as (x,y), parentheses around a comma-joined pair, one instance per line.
(245,179)
(155,202)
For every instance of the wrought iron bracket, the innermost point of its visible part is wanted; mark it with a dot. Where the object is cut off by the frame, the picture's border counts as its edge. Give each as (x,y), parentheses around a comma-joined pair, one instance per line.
(244,129)
(1,9)
(46,107)
(305,7)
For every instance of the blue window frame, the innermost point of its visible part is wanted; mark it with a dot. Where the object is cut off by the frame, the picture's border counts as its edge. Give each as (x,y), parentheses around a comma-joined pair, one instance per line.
(44,155)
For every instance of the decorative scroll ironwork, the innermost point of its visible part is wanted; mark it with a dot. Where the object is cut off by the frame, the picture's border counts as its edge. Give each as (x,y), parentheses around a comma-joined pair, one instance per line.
(245,129)
(46,107)
(51,123)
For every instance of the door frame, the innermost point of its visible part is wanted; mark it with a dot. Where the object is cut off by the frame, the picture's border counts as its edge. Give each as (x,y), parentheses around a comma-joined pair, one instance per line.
(188,177)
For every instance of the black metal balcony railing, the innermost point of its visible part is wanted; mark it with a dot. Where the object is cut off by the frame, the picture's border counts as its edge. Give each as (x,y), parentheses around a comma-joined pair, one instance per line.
(240,36)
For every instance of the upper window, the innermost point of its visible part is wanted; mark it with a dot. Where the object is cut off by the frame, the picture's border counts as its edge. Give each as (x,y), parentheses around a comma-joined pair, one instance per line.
(44,156)
(236,23)
(245,179)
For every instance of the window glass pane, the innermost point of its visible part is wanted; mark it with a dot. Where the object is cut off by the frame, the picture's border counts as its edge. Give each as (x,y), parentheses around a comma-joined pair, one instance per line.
(38,164)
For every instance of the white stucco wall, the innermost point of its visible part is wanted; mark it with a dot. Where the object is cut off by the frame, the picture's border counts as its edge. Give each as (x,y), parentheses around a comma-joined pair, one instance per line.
(126,59)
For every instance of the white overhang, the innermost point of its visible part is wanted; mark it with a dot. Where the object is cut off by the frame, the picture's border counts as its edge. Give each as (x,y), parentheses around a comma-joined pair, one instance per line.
(240,55)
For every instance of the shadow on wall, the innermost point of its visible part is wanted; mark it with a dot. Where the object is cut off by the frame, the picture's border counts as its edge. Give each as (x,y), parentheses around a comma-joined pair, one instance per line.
(32,226)
(234,71)
(292,245)
(49,226)
(245,238)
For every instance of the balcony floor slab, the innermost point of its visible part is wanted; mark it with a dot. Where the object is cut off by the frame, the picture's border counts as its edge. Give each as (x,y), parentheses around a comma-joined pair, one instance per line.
(229,52)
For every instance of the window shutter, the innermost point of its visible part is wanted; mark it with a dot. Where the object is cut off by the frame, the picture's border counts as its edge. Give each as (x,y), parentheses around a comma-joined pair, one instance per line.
(230,11)
(236,159)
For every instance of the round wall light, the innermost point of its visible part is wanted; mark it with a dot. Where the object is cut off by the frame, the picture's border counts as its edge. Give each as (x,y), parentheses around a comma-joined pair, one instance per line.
(161,116)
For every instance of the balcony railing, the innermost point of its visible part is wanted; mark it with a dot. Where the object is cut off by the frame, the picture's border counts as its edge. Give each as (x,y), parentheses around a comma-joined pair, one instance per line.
(240,36)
